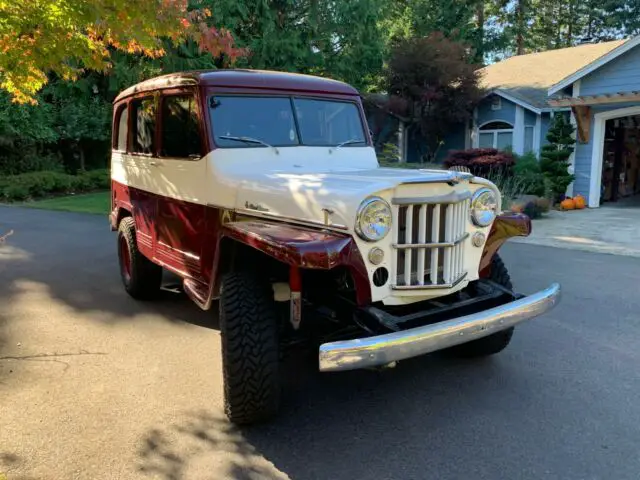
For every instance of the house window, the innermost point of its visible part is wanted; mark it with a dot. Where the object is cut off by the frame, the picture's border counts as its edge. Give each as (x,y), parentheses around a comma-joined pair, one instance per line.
(528,139)
(180,128)
(496,135)
(496,103)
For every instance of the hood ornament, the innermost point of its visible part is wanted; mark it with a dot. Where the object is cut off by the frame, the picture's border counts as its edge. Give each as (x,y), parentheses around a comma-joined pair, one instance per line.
(327,213)
(458,173)
(258,207)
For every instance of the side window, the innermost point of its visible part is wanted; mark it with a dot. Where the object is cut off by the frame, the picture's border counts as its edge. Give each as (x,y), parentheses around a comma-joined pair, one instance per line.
(144,125)
(120,137)
(180,130)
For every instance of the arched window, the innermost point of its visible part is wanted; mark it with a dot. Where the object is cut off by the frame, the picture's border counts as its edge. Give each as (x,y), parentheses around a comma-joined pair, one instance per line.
(496,134)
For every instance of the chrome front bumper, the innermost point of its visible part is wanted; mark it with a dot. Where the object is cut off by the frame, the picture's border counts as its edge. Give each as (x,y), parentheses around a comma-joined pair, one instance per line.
(387,348)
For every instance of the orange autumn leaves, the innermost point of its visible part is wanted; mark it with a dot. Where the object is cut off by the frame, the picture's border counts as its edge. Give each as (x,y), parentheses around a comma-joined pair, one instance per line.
(67,36)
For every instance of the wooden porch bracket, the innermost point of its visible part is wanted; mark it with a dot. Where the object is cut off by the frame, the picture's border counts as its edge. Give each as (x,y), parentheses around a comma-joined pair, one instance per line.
(582,114)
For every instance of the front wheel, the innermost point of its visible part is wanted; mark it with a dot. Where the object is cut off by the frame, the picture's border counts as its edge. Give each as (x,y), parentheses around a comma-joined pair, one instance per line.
(250,344)
(498,341)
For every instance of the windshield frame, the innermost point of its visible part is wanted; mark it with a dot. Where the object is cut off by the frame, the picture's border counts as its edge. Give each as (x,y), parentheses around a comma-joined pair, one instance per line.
(291,97)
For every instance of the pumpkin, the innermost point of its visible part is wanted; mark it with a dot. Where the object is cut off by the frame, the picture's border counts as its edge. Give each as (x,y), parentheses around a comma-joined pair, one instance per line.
(580,202)
(568,204)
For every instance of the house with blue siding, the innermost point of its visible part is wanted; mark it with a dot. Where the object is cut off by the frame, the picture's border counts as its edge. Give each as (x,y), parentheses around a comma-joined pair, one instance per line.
(596,85)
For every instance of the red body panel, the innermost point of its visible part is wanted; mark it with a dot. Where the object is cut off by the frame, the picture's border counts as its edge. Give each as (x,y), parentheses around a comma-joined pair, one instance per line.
(186,240)
(304,248)
(179,228)
(504,227)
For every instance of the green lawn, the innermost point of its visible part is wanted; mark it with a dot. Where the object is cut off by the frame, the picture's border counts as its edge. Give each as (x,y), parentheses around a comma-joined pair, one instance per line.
(99,203)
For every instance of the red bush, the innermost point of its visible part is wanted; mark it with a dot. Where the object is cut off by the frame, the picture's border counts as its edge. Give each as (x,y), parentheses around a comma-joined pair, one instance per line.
(481,161)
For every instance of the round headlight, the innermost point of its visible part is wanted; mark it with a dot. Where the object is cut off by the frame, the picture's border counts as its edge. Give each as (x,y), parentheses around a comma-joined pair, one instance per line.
(373,220)
(484,206)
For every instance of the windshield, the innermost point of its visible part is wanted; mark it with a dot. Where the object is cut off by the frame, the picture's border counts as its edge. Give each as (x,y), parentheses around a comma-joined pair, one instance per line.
(246,121)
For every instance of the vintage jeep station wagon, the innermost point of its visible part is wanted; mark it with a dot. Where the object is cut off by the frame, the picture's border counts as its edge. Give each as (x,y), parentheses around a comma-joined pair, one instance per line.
(262,191)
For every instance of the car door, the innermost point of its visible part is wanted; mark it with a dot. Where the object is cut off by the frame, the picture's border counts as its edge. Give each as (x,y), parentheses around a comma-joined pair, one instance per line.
(141,171)
(180,225)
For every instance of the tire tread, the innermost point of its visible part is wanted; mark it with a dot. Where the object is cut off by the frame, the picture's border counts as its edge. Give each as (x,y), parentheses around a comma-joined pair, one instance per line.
(248,325)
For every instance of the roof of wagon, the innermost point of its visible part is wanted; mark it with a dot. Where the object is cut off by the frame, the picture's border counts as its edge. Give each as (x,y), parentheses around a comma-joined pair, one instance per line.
(256,79)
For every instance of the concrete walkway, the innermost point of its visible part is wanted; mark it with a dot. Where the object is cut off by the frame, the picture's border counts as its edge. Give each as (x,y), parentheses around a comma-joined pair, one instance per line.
(613,228)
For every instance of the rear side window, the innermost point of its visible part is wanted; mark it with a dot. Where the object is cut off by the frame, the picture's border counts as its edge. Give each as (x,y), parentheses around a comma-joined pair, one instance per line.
(120,140)
(180,130)
(144,125)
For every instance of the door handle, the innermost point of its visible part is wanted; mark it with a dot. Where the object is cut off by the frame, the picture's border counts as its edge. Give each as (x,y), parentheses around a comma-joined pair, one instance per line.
(154,164)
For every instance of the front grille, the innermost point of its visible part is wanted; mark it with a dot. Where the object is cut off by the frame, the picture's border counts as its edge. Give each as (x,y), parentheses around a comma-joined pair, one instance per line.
(429,242)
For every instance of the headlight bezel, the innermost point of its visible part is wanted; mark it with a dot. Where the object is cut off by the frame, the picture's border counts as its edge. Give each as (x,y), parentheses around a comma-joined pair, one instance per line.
(362,208)
(475,218)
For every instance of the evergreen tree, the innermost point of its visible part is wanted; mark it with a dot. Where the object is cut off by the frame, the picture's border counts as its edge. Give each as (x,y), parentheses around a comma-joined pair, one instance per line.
(554,158)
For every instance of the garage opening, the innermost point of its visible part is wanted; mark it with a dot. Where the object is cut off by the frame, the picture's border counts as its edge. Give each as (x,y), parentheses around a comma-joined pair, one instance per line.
(621,159)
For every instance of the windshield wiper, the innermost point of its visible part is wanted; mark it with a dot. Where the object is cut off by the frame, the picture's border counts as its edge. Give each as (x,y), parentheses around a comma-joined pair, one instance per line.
(247,140)
(349,142)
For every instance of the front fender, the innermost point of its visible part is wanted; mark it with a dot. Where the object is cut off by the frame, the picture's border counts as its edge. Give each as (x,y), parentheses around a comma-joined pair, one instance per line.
(305,248)
(504,227)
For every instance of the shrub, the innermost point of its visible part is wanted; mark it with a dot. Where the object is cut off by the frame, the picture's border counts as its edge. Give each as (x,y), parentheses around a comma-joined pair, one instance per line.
(16,192)
(390,153)
(40,184)
(99,179)
(527,169)
(510,186)
(24,157)
(482,161)
(554,158)
(411,166)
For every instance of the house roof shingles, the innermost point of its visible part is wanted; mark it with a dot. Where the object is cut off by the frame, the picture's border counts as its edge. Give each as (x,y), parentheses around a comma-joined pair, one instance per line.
(529,77)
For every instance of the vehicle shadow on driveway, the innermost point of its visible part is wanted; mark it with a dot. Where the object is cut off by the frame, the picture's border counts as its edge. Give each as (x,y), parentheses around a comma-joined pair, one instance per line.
(362,424)
(73,258)
(60,264)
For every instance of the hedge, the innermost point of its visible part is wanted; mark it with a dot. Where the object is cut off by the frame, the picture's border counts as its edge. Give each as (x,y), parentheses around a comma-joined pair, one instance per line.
(42,184)
(482,161)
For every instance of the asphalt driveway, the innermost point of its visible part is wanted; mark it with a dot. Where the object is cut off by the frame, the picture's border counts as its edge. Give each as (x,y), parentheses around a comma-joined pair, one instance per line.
(94,385)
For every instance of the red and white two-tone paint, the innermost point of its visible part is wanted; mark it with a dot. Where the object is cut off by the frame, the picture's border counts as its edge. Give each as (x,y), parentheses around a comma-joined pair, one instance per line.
(211,168)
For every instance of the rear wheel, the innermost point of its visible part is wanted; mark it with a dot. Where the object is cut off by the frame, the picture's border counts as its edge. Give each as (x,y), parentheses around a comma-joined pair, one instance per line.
(498,341)
(140,276)
(250,349)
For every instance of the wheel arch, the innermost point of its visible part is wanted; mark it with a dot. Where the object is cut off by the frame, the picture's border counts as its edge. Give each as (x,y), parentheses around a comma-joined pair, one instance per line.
(505,226)
(277,247)
(116,216)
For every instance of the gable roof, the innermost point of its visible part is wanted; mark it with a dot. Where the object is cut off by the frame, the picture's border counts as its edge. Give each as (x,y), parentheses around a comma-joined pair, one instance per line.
(528,78)
(615,53)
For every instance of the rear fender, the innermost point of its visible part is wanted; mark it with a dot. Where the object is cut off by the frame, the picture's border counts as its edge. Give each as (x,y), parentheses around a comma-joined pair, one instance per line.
(504,227)
(304,248)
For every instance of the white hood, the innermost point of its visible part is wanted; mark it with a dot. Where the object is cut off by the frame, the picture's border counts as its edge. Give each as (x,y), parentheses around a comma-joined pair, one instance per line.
(301,182)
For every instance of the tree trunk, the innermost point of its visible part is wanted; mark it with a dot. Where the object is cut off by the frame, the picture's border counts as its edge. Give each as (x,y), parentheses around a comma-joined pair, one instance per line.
(480,26)
(520,27)
(82,158)
(570,23)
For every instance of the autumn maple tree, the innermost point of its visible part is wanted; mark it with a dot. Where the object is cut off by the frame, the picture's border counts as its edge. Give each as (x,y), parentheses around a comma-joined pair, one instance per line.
(67,36)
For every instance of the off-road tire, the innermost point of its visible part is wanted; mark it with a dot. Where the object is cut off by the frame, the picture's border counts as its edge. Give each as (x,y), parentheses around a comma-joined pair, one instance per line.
(250,357)
(498,341)
(142,278)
